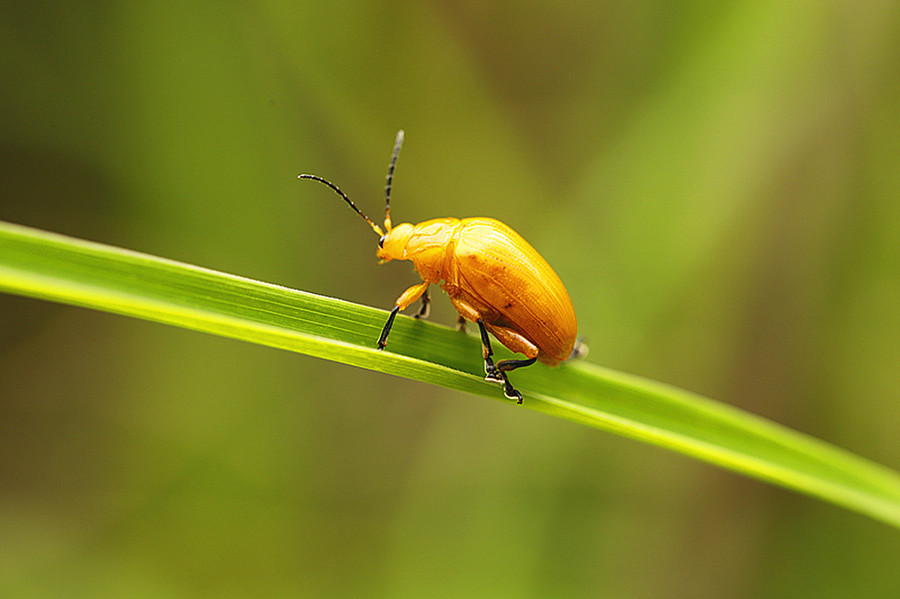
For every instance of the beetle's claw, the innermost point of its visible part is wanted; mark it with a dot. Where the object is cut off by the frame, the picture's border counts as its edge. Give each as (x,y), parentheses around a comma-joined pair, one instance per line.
(495,375)
(511,393)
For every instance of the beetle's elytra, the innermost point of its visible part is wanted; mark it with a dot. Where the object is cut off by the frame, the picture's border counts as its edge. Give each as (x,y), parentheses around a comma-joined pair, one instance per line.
(494,278)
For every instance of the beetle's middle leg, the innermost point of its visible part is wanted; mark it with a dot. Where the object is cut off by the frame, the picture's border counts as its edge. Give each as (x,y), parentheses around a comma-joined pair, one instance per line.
(497,372)
(494,372)
(425,309)
(461,324)
(402,303)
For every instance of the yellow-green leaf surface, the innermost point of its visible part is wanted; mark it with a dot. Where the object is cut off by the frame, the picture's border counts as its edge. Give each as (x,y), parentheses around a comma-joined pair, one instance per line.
(53,267)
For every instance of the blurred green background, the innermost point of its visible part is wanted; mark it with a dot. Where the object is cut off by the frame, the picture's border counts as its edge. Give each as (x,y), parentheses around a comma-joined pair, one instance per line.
(716,182)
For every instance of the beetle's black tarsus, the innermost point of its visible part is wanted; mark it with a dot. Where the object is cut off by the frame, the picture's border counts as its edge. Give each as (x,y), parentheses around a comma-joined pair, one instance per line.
(496,373)
(382,341)
(425,310)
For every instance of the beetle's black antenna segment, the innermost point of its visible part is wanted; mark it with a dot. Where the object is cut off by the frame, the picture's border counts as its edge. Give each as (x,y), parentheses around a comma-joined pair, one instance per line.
(390,180)
(337,189)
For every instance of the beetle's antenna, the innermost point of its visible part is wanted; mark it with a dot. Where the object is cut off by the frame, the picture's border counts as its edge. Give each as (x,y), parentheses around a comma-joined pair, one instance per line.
(390,179)
(337,189)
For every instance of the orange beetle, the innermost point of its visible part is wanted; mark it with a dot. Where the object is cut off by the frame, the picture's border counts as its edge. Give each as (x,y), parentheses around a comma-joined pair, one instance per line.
(494,278)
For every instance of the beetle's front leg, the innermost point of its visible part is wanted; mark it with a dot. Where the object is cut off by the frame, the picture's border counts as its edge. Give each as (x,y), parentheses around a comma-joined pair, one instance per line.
(382,340)
(403,302)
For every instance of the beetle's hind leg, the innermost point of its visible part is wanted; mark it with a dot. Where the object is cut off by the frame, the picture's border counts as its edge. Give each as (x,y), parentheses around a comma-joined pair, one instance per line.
(507,365)
(497,372)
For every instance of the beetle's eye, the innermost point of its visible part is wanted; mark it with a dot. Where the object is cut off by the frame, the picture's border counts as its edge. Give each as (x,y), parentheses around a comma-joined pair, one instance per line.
(381,241)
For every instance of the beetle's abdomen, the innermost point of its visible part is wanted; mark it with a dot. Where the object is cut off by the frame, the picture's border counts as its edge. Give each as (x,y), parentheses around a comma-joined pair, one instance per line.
(513,286)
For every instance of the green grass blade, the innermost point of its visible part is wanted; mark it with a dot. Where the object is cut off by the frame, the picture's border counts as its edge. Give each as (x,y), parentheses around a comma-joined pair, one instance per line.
(53,267)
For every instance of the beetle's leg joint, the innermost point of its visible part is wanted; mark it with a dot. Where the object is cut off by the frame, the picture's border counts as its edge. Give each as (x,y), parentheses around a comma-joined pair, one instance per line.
(405,299)
(492,375)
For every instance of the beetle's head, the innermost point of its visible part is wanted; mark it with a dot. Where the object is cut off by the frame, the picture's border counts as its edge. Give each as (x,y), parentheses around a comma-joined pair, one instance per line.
(392,245)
